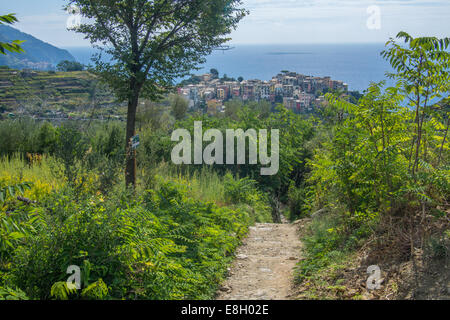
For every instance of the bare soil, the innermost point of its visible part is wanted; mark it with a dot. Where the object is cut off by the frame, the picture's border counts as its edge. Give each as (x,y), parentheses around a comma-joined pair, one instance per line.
(263,269)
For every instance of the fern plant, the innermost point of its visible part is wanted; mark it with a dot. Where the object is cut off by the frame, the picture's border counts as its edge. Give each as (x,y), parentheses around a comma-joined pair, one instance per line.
(12,190)
(97,291)
(7,293)
(61,291)
(12,228)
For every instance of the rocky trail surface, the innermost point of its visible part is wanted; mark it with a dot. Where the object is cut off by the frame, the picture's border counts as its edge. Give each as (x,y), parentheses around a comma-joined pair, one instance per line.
(264,265)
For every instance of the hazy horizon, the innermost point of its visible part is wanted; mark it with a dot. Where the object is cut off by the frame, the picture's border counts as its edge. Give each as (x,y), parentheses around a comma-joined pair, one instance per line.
(267,44)
(275,21)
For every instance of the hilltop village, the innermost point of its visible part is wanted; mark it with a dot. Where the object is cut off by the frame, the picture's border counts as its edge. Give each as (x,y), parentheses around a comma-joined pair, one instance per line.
(297,92)
(69,95)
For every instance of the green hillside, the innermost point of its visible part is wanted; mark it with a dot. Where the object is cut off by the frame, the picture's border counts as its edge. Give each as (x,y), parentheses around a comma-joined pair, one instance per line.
(38,55)
(39,93)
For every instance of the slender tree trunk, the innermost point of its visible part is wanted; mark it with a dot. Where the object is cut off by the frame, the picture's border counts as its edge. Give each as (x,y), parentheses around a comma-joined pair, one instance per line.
(443,142)
(130,169)
(417,121)
(416,138)
(133,100)
(418,145)
(419,138)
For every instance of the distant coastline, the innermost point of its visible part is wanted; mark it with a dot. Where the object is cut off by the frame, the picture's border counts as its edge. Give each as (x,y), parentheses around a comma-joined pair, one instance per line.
(287,53)
(356,64)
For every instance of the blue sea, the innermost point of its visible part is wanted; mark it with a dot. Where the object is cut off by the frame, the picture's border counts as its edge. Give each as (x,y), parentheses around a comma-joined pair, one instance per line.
(356,64)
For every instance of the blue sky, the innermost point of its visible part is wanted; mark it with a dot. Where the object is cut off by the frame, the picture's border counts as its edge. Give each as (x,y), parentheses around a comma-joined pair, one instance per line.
(274,21)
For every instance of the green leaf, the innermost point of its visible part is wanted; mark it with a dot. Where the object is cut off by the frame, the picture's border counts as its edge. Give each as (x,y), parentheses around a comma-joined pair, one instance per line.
(12,190)
(8,19)
(20,188)
(16,235)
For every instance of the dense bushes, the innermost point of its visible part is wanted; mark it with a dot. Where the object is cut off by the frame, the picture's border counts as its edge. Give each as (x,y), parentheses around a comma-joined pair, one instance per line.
(161,245)
(381,167)
(294,131)
(173,238)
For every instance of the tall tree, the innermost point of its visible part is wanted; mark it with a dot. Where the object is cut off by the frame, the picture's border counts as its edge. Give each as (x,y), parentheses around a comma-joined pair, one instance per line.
(152,42)
(14,46)
(180,106)
(67,66)
(423,69)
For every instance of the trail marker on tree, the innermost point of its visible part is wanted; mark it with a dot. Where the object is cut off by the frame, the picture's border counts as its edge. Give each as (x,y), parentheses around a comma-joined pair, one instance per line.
(135,142)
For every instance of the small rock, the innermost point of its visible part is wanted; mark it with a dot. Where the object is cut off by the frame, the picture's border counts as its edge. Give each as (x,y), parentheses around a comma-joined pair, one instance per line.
(265,270)
(226,289)
(241,257)
(260,293)
(292,258)
(351,293)
(368,296)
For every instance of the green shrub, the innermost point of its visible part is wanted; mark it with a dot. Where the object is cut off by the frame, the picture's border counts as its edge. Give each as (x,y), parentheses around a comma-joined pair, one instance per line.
(297,199)
(71,148)
(162,245)
(7,293)
(238,190)
(324,245)
(244,193)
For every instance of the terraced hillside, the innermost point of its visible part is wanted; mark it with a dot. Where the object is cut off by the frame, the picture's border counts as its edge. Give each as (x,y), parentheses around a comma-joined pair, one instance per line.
(39,92)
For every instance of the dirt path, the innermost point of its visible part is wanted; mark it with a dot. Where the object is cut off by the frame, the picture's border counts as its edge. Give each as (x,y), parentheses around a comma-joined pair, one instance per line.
(263,269)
